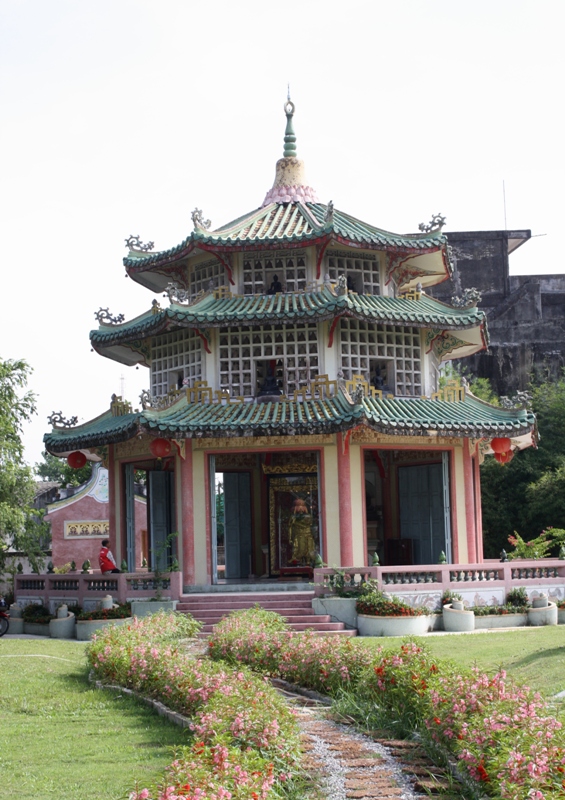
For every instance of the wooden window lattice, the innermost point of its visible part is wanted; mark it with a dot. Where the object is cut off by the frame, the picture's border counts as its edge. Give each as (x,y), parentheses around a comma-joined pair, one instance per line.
(259,269)
(363,346)
(295,346)
(364,270)
(174,354)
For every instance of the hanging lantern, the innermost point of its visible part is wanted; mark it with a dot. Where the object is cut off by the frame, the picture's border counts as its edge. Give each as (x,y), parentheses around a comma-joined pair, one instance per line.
(76,460)
(160,448)
(504,458)
(501,445)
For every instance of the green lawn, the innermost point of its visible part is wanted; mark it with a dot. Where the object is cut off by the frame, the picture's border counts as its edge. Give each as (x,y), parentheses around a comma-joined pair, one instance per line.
(531,656)
(61,739)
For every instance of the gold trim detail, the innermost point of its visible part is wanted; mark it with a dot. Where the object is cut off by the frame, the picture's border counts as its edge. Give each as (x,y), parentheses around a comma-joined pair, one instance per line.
(87,529)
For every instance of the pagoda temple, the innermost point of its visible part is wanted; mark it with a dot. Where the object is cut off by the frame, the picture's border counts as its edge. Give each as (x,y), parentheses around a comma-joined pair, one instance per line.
(295,368)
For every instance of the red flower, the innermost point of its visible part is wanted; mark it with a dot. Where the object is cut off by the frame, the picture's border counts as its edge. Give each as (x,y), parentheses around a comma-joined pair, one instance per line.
(483,774)
(437,720)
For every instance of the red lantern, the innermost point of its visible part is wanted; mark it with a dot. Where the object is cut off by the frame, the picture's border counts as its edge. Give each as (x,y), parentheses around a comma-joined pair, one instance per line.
(501,445)
(504,458)
(160,448)
(76,460)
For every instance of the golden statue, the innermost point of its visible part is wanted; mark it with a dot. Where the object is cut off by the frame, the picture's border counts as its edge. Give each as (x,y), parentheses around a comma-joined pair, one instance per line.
(300,534)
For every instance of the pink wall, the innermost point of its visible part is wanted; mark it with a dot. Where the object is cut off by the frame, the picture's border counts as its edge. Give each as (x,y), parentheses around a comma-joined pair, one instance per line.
(86,508)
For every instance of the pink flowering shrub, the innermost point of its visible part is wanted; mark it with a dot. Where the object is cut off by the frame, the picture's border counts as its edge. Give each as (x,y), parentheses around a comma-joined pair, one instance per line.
(264,641)
(504,737)
(201,772)
(248,741)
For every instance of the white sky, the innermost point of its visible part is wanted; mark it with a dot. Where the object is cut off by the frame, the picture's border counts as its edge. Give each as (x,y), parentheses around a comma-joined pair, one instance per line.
(118,117)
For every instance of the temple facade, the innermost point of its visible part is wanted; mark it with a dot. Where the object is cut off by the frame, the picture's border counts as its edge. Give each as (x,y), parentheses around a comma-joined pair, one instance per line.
(296,411)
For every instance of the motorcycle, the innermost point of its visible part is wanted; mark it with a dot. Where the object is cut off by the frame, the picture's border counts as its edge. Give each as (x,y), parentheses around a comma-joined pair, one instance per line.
(4,617)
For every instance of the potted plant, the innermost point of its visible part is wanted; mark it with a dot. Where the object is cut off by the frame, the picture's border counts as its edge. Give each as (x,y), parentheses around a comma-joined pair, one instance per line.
(512,614)
(62,626)
(88,622)
(341,603)
(456,618)
(379,614)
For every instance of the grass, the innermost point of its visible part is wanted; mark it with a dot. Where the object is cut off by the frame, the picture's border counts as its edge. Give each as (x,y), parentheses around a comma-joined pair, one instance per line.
(61,738)
(531,656)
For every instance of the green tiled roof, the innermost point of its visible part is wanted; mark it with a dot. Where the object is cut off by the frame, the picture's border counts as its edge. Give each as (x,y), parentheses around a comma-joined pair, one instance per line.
(215,312)
(297,223)
(409,417)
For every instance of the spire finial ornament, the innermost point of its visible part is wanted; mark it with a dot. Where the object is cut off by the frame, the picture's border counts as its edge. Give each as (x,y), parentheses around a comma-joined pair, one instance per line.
(290,184)
(289,135)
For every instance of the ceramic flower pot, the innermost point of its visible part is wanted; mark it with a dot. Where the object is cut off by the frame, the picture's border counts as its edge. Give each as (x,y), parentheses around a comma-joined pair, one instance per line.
(544,615)
(86,627)
(457,620)
(62,627)
(393,626)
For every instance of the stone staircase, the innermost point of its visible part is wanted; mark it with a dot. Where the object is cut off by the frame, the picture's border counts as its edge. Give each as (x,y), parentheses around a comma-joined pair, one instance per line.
(295,607)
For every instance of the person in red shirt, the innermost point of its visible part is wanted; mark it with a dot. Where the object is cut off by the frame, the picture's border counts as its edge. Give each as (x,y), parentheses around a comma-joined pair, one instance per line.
(106,559)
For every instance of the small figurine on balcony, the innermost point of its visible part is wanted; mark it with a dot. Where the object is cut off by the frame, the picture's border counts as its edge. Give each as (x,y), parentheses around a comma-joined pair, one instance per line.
(276,286)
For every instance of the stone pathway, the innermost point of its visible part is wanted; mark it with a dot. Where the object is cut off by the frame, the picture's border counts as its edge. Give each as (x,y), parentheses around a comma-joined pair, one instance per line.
(348,765)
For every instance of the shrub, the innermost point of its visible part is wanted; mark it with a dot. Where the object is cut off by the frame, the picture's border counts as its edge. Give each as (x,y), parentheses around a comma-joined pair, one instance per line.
(120,612)
(449,596)
(376,604)
(517,596)
(37,613)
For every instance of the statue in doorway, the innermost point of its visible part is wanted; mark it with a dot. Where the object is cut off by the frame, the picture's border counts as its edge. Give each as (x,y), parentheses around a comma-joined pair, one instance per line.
(300,533)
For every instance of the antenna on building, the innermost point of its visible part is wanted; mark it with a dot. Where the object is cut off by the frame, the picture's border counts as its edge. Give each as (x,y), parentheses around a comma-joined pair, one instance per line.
(504,201)
(122,384)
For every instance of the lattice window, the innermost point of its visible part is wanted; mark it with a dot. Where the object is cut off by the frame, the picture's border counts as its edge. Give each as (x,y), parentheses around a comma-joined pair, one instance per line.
(205,274)
(395,351)
(244,351)
(175,357)
(259,270)
(363,271)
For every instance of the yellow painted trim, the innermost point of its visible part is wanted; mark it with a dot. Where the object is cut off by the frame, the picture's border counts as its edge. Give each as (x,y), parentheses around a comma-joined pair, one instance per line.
(357,504)
(460,499)
(331,495)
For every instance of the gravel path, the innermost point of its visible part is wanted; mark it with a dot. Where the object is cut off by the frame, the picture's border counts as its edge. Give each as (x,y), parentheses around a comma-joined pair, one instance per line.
(346,764)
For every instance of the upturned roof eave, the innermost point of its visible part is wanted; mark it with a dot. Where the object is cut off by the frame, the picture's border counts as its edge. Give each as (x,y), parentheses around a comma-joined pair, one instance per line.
(397,416)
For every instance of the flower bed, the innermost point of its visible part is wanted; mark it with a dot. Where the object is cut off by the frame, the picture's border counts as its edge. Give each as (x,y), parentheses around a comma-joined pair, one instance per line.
(246,741)
(505,740)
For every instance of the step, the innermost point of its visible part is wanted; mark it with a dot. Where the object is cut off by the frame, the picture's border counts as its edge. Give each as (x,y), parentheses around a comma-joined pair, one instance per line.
(212,617)
(213,609)
(237,606)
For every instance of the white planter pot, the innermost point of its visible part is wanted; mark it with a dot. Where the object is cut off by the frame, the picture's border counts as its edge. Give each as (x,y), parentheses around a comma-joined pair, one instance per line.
(393,626)
(16,625)
(340,609)
(63,628)
(35,629)
(543,616)
(501,621)
(85,628)
(142,608)
(456,621)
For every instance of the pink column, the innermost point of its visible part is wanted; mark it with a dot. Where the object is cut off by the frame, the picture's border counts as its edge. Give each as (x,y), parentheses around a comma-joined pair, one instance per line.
(344,487)
(469,504)
(478,511)
(112,498)
(187,489)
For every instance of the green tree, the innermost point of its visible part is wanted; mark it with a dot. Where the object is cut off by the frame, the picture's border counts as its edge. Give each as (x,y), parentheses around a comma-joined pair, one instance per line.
(21,526)
(57,469)
(528,494)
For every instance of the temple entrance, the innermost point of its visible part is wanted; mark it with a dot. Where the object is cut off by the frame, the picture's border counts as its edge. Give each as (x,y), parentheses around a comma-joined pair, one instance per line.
(422,512)
(407,506)
(265,519)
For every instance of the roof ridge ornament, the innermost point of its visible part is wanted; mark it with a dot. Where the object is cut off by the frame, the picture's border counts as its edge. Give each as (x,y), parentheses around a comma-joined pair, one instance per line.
(435,224)
(137,246)
(57,420)
(104,317)
(198,220)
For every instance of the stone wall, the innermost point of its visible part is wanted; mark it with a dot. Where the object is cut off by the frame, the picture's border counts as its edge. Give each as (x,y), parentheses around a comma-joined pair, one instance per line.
(525,313)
